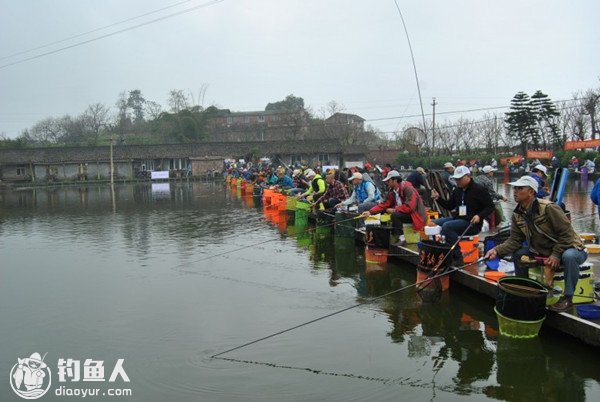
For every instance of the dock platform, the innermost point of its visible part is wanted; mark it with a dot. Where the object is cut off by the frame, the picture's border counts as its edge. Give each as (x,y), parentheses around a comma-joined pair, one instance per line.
(585,330)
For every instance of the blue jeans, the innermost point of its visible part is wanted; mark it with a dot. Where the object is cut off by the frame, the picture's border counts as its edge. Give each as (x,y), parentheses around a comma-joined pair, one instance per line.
(452,228)
(570,260)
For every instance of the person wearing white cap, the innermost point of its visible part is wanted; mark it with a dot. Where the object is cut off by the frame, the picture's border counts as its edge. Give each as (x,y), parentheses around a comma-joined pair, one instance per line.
(447,176)
(316,187)
(548,232)
(403,202)
(538,172)
(364,194)
(486,181)
(472,202)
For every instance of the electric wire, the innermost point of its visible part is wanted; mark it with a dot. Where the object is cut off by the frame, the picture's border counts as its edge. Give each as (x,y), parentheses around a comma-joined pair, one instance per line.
(93,30)
(203,5)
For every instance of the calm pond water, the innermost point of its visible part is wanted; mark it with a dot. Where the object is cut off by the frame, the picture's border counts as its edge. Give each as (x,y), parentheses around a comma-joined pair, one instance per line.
(167,277)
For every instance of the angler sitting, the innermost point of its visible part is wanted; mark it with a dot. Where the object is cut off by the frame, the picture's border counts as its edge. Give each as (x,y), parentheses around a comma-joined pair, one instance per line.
(403,202)
(548,232)
(539,174)
(283,181)
(473,203)
(316,188)
(336,192)
(365,194)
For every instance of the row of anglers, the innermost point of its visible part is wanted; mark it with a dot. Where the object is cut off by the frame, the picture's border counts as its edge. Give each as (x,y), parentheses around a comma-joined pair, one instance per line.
(540,229)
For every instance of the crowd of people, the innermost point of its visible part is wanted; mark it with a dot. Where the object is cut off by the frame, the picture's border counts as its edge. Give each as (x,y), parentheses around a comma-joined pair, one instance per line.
(539,228)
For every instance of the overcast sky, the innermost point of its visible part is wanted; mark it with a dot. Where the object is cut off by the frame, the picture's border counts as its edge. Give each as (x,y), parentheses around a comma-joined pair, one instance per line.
(468,53)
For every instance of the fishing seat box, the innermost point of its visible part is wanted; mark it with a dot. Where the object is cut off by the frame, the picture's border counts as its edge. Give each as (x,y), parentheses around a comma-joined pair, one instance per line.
(584,290)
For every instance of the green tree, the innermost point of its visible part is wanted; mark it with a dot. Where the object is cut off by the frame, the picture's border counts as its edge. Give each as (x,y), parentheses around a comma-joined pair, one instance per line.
(291,103)
(521,122)
(136,103)
(546,116)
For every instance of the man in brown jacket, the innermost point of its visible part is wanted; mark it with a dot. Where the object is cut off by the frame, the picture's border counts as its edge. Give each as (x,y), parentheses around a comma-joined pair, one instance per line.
(548,233)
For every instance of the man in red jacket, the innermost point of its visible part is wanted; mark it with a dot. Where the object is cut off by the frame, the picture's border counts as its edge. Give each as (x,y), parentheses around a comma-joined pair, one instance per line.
(403,202)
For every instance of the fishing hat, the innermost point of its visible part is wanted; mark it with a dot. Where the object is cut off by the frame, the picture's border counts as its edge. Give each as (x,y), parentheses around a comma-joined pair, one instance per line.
(541,168)
(488,168)
(421,170)
(448,165)
(461,171)
(309,173)
(392,174)
(356,175)
(526,181)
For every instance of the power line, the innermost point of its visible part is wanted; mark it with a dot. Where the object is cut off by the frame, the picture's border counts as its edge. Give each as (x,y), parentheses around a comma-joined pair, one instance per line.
(203,5)
(94,30)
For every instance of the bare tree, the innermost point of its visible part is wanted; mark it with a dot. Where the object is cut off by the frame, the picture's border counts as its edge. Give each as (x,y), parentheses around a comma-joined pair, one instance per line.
(591,103)
(95,118)
(178,101)
(153,109)
(46,132)
(330,109)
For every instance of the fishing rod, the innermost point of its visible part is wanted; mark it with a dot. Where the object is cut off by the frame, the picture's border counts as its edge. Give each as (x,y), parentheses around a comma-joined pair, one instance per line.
(306,230)
(447,272)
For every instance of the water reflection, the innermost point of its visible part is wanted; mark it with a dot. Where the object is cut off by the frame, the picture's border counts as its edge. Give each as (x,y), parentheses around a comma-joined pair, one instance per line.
(458,336)
(451,346)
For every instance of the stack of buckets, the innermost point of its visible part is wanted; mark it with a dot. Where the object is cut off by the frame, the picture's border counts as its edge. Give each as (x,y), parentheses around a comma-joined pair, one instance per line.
(431,256)
(520,307)
(301,214)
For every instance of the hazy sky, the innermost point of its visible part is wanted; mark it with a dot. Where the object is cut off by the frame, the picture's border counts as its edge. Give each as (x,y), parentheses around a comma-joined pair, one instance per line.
(468,53)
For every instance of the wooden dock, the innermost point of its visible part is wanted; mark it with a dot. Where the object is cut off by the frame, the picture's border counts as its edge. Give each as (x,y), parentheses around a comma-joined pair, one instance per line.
(585,330)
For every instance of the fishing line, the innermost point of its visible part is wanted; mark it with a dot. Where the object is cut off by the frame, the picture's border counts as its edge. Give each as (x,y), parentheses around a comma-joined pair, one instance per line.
(306,230)
(395,381)
(338,311)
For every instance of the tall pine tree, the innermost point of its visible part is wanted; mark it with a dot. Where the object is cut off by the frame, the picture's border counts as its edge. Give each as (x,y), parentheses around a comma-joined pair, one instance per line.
(521,122)
(545,114)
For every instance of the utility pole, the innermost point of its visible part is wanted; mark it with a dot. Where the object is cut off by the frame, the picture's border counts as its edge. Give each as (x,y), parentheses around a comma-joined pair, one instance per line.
(112,166)
(432,133)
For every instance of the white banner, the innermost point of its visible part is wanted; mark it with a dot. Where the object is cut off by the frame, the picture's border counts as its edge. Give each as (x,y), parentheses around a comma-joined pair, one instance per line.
(164,174)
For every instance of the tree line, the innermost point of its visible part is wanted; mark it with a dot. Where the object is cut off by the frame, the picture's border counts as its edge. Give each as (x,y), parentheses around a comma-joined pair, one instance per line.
(532,123)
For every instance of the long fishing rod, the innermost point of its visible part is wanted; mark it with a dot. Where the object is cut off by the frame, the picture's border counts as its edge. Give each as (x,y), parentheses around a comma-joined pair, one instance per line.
(306,230)
(342,310)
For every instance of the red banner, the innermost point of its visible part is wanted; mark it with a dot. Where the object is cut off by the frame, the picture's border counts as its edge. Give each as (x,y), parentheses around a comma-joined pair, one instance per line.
(512,159)
(540,154)
(570,145)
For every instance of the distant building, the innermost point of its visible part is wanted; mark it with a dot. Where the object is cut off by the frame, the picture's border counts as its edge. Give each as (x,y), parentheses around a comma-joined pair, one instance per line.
(346,119)
(181,160)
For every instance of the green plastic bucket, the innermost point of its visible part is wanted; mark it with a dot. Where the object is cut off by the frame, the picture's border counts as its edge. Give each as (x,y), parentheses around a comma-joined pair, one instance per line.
(344,224)
(301,215)
(518,328)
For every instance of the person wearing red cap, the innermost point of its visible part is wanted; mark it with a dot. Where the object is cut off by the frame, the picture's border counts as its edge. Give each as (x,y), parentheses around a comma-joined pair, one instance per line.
(403,202)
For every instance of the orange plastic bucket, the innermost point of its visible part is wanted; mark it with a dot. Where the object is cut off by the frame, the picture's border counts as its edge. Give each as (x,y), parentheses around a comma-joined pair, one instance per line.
(469,248)
(376,255)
